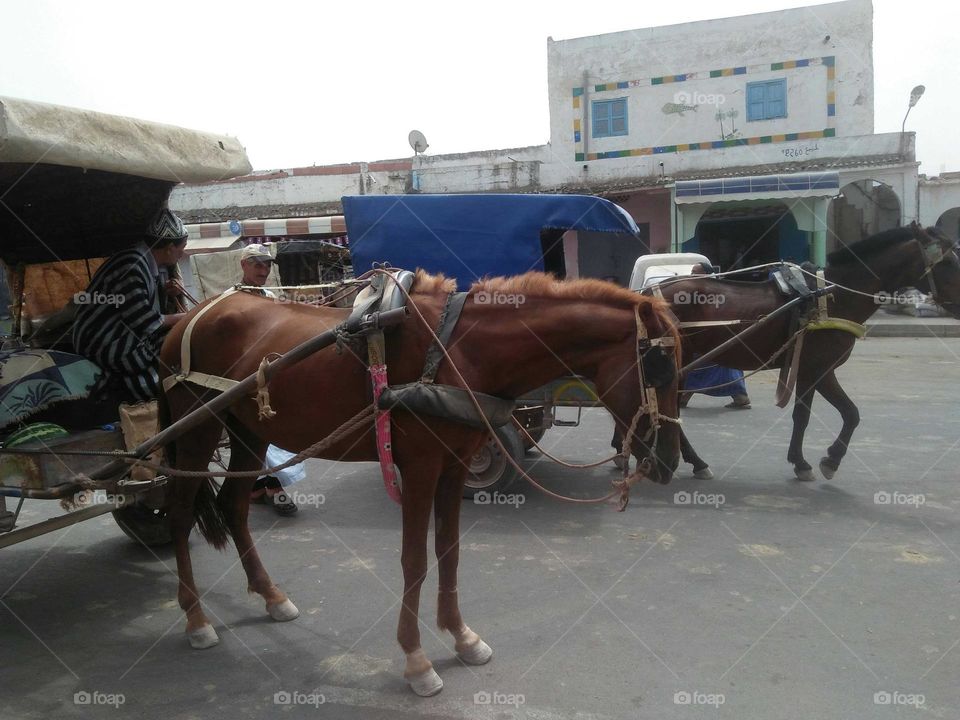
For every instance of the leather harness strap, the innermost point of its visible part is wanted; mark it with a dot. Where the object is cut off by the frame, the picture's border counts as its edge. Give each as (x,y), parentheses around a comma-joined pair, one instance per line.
(448,321)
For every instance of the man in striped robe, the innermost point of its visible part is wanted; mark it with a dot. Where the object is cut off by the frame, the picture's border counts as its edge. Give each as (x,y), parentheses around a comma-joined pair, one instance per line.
(119,324)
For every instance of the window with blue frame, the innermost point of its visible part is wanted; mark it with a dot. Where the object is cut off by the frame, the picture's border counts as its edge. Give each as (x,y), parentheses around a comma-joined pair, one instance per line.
(609,117)
(767,100)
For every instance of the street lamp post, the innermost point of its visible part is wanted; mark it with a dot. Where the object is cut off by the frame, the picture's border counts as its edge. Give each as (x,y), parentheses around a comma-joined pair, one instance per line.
(915,95)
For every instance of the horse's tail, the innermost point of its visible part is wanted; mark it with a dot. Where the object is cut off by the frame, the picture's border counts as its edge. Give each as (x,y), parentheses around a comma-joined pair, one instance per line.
(210,518)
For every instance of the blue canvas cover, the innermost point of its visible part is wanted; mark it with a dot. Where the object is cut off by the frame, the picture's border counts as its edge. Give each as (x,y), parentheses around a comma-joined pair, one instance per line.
(469,237)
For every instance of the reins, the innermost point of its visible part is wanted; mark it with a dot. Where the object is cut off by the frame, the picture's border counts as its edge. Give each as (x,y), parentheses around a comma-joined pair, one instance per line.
(622,487)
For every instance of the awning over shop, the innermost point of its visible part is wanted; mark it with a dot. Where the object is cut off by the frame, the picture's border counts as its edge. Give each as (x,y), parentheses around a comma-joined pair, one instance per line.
(759,187)
(206,237)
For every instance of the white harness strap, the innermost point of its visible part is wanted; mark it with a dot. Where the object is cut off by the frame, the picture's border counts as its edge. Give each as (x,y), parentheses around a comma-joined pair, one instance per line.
(709,323)
(198,378)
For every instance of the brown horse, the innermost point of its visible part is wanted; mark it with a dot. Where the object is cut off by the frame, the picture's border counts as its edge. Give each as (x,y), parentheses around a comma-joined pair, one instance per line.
(543,330)
(874,268)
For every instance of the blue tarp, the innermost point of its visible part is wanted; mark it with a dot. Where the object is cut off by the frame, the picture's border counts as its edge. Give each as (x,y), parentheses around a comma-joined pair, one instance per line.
(469,236)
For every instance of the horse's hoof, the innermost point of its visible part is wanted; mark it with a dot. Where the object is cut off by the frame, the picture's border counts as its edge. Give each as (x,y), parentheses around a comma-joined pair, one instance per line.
(703,474)
(827,470)
(284,611)
(426,683)
(203,637)
(621,462)
(477,654)
(804,475)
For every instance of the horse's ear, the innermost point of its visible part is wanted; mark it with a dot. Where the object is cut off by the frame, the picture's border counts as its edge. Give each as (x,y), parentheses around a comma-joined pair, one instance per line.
(920,233)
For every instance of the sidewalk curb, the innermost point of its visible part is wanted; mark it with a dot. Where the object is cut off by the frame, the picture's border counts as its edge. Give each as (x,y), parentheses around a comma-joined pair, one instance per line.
(907,329)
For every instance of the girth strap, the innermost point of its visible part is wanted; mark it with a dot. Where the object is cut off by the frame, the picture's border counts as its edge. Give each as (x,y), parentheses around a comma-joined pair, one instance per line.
(197,378)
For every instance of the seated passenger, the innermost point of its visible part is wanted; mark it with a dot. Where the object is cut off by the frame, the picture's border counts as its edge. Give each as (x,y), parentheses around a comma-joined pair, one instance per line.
(119,324)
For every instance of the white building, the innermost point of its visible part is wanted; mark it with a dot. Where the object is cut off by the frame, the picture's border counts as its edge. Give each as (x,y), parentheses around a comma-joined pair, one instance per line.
(749,138)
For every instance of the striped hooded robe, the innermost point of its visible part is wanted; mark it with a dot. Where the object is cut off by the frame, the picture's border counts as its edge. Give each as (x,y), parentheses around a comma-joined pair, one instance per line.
(123,336)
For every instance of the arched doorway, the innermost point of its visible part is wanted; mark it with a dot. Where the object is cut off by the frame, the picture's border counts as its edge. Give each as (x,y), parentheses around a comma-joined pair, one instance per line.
(863,208)
(949,222)
(741,234)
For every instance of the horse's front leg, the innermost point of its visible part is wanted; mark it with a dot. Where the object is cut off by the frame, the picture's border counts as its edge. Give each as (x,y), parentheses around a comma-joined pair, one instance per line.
(701,471)
(801,417)
(470,648)
(418,490)
(830,388)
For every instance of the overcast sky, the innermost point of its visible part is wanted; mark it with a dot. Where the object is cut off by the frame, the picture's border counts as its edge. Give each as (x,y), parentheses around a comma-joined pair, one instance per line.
(330,82)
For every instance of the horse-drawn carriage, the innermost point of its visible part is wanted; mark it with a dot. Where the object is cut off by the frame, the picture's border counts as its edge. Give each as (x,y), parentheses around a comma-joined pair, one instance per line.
(76,187)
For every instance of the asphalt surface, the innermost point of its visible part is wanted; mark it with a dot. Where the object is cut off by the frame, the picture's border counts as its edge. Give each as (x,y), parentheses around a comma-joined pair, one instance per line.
(751,595)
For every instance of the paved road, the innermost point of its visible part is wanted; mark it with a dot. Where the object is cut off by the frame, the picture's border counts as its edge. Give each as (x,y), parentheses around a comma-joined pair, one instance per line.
(761,597)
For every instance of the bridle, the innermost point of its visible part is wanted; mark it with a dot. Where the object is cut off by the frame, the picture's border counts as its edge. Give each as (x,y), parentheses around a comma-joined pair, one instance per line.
(648,403)
(933,254)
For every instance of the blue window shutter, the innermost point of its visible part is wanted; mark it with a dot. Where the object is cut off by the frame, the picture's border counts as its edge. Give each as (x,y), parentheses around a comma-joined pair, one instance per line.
(601,119)
(618,117)
(776,99)
(755,101)
(609,117)
(767,100)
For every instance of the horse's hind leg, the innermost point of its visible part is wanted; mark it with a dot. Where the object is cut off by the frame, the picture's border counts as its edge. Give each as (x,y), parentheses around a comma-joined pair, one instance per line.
(246,453)
(801,417)
(187,500)
(470,648)
(701,471)
(830,388)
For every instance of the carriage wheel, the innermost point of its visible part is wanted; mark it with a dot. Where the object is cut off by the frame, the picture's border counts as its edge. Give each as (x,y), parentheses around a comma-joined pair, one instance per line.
(143,524)
(489,470)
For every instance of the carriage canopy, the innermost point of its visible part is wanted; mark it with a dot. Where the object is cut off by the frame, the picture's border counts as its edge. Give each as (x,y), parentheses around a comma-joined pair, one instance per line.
(78,184)
(471,236)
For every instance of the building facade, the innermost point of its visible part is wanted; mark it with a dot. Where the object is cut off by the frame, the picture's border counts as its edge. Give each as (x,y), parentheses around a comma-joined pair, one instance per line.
(747,138)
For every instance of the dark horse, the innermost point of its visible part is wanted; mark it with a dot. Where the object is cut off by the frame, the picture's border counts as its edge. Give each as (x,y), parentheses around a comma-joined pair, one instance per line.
(586,327)
(883,263)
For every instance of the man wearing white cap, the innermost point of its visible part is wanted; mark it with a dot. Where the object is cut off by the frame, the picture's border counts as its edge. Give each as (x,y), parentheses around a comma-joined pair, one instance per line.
(256,261)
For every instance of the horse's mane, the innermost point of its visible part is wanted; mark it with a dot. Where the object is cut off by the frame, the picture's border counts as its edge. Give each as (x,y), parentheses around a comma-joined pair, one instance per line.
(863,249)
(538,284)
(544,285)
(428,284)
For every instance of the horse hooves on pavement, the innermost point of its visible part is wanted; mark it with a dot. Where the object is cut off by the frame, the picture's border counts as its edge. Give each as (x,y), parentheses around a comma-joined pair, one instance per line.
(283,612)
(703,474)
(426,683)
(804,475)
(203,638)
(827,470)
(477,654)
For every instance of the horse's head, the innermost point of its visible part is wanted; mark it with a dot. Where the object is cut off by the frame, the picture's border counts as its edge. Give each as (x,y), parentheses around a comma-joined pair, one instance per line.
(641,390)
(942,276)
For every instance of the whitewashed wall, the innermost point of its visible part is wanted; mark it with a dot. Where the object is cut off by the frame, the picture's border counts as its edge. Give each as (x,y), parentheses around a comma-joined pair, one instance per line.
(840,34)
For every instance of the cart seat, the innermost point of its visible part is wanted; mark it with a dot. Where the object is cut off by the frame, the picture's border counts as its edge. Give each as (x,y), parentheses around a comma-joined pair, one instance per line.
(32,380)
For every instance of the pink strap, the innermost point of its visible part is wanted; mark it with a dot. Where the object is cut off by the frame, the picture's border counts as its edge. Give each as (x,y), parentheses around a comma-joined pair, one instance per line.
(378,374)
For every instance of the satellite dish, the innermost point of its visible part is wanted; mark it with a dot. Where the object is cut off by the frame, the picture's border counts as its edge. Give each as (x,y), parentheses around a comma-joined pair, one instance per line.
(417,141)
